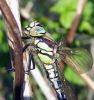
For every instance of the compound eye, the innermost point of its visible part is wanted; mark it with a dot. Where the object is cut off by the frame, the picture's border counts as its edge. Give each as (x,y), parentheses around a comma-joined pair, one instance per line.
(40,30)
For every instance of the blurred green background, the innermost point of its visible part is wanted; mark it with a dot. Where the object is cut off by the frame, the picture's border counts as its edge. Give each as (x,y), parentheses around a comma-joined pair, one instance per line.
(56,17)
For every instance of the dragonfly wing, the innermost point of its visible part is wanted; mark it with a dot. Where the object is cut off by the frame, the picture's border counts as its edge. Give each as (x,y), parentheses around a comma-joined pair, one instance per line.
(79,59)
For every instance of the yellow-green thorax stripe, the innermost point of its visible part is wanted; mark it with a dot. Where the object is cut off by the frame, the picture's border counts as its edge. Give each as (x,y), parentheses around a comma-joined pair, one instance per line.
(45,52)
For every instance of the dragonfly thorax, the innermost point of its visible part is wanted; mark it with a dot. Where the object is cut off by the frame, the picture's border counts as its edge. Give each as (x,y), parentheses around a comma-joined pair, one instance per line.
(45,52)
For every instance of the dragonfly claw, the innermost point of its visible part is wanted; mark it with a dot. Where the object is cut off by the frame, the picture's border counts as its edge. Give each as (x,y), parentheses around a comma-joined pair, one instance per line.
(10,70)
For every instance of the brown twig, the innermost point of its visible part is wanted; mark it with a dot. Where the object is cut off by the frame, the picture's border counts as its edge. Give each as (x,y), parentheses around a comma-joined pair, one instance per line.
(76,21)
(16,45)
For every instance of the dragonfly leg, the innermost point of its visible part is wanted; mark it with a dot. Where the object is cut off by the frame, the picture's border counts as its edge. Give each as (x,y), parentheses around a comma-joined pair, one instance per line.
(31,64)
(10,69)
(61,44)
(25,37)
(26,46)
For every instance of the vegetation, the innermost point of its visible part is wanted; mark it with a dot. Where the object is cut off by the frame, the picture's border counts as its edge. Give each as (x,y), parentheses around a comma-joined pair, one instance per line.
(56,17)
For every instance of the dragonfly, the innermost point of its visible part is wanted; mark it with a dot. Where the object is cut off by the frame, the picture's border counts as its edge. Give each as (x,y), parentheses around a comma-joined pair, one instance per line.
(39,42)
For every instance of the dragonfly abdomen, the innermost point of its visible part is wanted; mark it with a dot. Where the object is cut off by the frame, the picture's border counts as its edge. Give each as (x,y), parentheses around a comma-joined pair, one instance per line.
(53,76)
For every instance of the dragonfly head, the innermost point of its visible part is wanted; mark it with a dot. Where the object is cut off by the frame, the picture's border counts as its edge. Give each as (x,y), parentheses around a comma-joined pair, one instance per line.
(34,29)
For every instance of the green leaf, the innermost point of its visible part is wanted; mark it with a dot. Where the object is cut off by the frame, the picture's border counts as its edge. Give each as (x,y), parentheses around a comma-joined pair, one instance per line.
(64,5)
(1,37)
(67,18)
(88,10)
(86,26)
(72,76)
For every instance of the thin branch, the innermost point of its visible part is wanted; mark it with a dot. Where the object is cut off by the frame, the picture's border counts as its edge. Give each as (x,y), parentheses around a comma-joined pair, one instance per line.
(76,21)
(27,93)
(88,81)
(14,37)
(26,11)
(14,6)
